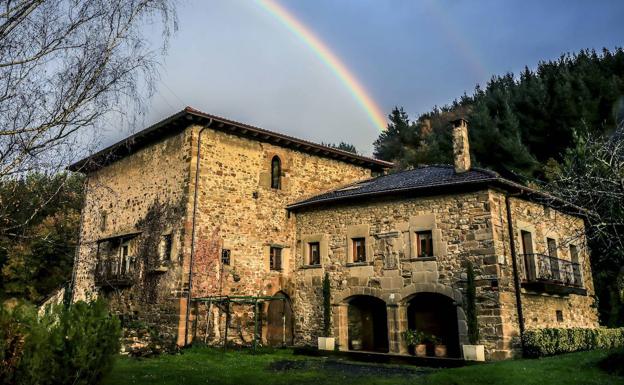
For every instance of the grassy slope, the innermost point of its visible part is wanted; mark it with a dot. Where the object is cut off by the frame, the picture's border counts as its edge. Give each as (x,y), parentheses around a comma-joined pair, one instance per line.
(208,366)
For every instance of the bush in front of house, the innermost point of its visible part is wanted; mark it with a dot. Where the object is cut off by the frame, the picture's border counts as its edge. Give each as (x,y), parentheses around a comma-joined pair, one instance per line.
(65,345)
(551,341)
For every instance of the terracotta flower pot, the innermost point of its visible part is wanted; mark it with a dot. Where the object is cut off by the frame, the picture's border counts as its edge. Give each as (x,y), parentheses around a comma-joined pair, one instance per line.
(440,350)
(420,350)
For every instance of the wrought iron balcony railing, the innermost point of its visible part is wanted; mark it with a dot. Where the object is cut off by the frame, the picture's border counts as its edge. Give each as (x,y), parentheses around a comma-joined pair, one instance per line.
(115,272)
(550,274)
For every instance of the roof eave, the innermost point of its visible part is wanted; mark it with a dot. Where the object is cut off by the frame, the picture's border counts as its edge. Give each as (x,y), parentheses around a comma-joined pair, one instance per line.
(190,115)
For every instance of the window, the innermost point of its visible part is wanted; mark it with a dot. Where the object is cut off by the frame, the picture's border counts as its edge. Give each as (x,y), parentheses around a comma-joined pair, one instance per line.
(125,258)
(103,220)
(276,258)
(576,266)
(554,262)
(225,256)
(359,249)
(166,246)
(276,173)
(314,253)
(424,242)
(559,314)
(529,258)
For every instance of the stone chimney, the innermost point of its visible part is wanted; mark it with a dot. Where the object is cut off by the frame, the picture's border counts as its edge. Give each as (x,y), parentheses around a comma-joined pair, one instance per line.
(461,149)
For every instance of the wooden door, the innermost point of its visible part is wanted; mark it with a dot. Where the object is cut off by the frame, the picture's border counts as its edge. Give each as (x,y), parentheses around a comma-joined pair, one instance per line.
(279,322)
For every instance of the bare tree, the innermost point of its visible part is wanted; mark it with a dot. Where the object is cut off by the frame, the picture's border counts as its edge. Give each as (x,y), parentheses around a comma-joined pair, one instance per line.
(592,177)
(64,66)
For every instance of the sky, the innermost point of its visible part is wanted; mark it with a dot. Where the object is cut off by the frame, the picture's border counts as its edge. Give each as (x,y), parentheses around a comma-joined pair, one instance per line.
(236,59)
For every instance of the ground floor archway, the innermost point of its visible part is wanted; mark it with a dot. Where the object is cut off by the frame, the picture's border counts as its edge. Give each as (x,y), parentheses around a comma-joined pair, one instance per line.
(435,315)
(367,324)
(280,321)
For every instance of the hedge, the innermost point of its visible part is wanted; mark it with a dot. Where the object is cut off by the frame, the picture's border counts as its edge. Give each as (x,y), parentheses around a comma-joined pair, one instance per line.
(550,341)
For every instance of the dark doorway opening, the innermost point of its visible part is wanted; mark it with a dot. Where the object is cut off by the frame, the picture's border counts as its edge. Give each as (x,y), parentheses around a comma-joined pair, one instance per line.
(280,322)
(435,315)
(368,324)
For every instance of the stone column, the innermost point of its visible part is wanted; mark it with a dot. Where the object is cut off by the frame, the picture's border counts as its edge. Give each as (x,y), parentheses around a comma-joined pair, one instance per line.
(397,325)
(340,315)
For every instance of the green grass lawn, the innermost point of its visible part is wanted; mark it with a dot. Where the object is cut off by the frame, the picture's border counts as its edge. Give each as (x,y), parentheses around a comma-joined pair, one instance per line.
(213,366)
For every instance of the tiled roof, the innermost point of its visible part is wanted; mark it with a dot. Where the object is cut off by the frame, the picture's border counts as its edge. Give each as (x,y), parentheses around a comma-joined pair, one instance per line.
(426,178)
(179,121)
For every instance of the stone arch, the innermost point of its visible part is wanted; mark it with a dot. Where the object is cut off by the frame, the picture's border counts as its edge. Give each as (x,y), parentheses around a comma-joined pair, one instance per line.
(455,297)
(343,296)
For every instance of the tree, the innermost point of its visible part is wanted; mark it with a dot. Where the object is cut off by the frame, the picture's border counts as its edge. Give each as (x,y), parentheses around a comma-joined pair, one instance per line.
(37,258)
(591,176)
(344,146)
(519,125)
(65,65)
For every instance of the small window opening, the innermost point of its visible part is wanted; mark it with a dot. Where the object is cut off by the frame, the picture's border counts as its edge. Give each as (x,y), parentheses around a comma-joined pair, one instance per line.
(559,314)
(359,249)
(225,257)
(424,241)
(315,253)
(166,247)
(276,173)
(276,258)
(103,221)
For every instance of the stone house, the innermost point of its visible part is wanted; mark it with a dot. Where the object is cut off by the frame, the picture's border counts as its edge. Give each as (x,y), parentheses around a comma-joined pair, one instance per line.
(199,207)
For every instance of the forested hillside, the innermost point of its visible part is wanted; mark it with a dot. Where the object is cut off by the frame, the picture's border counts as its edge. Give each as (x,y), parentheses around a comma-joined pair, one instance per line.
(519,124)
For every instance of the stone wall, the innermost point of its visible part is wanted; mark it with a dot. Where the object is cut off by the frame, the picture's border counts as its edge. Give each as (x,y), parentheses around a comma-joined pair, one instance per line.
(539,309)
(143,193)
(150,193)
(239,211)
(462,231)
(465,227)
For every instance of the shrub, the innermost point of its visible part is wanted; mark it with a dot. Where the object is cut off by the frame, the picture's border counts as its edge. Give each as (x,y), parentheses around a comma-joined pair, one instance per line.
(471,306)
(65,345)
(547,342)
(326,305)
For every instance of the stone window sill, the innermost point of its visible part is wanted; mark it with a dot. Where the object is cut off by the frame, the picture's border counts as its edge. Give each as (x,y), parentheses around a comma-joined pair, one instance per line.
(311,266)
(421,259)
(355,264)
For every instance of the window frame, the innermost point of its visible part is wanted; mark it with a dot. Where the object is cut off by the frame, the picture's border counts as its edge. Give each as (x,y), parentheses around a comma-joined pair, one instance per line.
(356,248)
(275,259)
(311,259)
(276,173)
(429,234)
(166,247)
(226,257)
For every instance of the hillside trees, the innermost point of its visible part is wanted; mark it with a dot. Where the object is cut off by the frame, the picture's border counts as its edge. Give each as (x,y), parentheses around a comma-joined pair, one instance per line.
(519,125)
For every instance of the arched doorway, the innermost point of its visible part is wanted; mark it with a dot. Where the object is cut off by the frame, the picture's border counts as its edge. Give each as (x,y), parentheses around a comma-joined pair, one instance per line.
(368,324)
(435,315)
(280,321)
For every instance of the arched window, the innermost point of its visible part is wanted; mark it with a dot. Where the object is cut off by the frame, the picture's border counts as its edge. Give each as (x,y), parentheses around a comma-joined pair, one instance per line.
(276,172)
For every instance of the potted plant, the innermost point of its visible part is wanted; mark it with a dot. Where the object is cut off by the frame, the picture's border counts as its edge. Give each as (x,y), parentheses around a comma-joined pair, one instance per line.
(472,352)
(326,342)
(415,340)
(439,348)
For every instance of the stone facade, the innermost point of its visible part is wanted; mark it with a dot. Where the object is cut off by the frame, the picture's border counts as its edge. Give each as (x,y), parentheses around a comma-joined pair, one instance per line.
(465,227)
(147,195)
(394,262)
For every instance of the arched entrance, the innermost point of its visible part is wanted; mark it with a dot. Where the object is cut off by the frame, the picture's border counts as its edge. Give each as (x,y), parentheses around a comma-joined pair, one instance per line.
(280,321)
(368,324)
(435,315)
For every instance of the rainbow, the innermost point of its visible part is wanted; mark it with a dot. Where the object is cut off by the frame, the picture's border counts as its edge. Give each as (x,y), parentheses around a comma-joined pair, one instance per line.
(330,59)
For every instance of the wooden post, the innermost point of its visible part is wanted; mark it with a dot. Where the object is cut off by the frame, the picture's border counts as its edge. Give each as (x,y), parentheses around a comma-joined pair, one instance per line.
(255,339)
(208,316)
(227,322)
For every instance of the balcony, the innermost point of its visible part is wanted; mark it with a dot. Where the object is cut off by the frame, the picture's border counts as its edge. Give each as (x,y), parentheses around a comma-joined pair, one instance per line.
(552,275)
(115,273)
